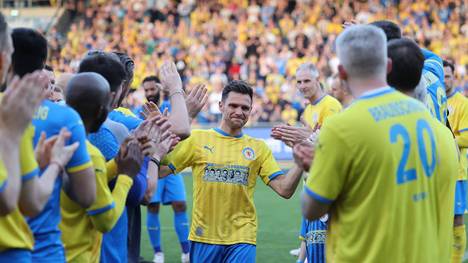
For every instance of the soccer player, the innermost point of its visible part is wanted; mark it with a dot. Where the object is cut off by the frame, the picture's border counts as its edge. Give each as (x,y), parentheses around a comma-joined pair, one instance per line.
(170,190)
(458,119)
(224,223)
(88,93)
(341,92)
(30,53)
(395,170)
(320,108)
(432,75)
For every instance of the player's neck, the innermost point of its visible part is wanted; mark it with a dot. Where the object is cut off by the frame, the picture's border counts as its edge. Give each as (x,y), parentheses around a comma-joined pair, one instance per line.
(449,91)
(347,100)
(361,86)
(318,95)
(229,130)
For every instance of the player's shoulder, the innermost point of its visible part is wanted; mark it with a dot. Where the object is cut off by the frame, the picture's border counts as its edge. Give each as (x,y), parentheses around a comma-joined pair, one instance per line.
(93,151)
(332,102)
(61,112)
(126,112)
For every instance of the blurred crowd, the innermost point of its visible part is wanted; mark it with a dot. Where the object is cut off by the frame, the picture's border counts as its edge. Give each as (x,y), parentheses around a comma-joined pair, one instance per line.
(262,42)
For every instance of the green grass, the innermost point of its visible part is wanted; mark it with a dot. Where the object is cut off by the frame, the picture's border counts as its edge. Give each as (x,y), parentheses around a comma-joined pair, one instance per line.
(279,224)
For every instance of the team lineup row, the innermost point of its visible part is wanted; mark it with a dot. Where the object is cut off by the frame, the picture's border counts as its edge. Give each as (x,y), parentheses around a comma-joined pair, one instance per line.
(72,170)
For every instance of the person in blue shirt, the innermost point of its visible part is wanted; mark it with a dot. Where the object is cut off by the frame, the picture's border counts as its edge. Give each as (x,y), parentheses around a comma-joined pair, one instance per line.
(30,55)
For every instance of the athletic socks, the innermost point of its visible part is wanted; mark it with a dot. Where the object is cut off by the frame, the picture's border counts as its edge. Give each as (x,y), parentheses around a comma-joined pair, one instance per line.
(154,230)
(182,229)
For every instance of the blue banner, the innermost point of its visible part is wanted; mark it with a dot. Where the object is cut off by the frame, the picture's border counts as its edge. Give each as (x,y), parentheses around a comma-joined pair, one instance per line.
(280,150)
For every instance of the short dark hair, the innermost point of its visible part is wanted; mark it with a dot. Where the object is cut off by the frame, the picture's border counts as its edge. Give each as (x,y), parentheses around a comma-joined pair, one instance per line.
(30,51)
(3,31)
(237,86)
(48,68)
(449,64)
(128,63)
(106,65)
(392,30)
(151,78)
(407,64)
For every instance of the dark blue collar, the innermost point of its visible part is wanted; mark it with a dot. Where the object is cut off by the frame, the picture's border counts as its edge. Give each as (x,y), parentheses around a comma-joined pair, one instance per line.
(218,130)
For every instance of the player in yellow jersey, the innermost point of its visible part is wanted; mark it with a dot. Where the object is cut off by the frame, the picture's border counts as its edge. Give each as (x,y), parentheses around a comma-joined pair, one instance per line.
(20,101)
(389,186)
(225,165)
(339,91)
(83,228)
(320,108)
(458,120)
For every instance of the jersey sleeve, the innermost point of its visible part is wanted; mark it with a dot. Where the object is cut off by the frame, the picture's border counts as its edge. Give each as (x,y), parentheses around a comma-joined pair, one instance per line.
(462,134)
(328,173)
(269,168)
(3,176)
(331,110)
(125,117)
(106,142)
(182,156)
(433,63)
(80,159)
(104,199)
(28,164)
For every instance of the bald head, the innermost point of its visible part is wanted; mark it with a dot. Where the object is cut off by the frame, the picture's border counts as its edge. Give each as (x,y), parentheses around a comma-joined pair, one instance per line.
(89,94)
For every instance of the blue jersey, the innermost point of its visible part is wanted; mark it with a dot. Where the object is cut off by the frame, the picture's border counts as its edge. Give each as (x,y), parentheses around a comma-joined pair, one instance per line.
(433,78)
(105,141)
(50,118)
(314,233)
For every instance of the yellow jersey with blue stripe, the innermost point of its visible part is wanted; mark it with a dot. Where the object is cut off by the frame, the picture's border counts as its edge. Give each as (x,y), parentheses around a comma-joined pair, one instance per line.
(15,232)
(458,119)
(318,111)
(225,171)
(82,228)
(389,169)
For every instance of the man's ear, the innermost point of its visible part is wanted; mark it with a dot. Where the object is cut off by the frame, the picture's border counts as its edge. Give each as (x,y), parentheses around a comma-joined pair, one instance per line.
(342,74)
(389,65)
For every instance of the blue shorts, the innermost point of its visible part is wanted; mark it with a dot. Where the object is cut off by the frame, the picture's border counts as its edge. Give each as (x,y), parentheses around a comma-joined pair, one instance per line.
(170,189)
(202,252)
(16,255)
(460,197)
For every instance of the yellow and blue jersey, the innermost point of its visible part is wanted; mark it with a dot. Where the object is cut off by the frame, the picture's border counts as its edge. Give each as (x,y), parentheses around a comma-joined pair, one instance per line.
(51,118)
(389,169)
(458,119)
(82,228)
(15,232)
(126,117)
(225,171)
(433,77)
(318,111)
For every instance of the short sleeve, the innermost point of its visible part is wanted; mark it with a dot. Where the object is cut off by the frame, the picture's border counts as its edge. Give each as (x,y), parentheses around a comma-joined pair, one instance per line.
(125,117)
(182,156)
(433,63)
(104,200)
(269,168)
(80,159)
(3,176)
(328,173)
(28,164)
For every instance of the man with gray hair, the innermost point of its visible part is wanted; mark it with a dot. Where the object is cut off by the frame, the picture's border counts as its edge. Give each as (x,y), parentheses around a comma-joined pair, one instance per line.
(384,169)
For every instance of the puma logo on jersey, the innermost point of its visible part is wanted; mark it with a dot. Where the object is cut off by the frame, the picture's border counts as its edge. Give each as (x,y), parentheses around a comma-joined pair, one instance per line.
(206,147)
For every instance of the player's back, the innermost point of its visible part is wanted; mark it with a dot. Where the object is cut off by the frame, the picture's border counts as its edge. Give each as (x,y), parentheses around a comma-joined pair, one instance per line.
(400,170)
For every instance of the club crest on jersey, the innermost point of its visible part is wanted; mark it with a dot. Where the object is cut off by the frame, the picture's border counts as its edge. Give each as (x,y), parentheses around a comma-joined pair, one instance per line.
(248,153)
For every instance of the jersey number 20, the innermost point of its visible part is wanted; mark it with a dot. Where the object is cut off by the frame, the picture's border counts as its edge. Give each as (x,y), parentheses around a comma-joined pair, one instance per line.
(409,174)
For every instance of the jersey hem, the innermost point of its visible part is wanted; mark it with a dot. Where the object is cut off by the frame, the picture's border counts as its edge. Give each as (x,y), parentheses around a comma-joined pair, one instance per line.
(100,210)
(30,175)
(218,242)
(317,196)
(79,168)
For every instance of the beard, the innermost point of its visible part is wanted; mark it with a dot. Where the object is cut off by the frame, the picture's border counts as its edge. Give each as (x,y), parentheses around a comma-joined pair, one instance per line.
(154,98)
